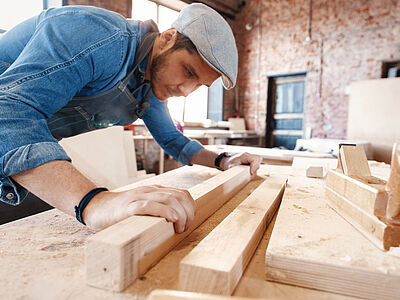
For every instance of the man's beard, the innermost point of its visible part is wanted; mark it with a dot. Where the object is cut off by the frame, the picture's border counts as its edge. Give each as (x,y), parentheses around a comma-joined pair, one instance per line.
(157,64)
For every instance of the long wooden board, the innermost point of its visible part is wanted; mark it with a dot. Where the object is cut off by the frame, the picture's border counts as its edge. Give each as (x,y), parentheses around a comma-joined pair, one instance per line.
(116,256)
(179,295)
(312,246)
(218,262)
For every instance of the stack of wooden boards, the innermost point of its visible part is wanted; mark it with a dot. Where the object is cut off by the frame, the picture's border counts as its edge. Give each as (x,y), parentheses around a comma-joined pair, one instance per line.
(361,198)
(116,256)
(313,246)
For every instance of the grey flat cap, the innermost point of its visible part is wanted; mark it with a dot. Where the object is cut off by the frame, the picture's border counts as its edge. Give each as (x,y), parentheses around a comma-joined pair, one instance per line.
(213,38)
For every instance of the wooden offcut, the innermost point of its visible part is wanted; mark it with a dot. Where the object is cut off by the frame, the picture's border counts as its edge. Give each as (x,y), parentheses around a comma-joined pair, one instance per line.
(218,262)
(116,256)
(354,161)
(316,172)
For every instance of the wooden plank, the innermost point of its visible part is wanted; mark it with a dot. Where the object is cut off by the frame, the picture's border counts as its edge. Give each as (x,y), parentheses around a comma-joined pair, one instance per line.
(312,246)
(372,198)
(180,295)
(218,262)
(354,161)
(116,256)
(370,118)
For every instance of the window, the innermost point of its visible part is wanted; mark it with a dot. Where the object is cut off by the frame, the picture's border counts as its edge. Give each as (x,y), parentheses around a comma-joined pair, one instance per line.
(16,11)
(391,69)
(285,110)
(204,102)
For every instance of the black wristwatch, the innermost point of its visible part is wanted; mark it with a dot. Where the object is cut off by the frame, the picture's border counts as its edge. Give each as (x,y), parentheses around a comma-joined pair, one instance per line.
(218,159)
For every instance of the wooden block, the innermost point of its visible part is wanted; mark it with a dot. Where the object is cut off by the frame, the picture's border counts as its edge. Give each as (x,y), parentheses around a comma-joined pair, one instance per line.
(236,124)
(179,295)
(312,246)
(218,262)
(116,256)
(316,172)
(381,234)
(372,198)
(354,161)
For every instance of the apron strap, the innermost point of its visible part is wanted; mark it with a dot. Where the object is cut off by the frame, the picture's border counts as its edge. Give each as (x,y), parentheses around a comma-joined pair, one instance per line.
(146,45)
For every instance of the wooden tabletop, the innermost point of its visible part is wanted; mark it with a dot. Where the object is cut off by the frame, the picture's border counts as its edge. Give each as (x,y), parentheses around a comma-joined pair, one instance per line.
(43,256)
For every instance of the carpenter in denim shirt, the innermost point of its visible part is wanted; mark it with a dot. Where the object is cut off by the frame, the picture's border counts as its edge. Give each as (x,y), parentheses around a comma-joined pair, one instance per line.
(49,59)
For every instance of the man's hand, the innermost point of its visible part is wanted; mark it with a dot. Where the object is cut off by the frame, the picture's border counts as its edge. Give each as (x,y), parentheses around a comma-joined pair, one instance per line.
(206,157)
(242,159)
(175,205)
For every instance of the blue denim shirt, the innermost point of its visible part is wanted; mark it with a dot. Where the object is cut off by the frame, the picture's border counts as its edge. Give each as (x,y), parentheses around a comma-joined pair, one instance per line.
(53,57)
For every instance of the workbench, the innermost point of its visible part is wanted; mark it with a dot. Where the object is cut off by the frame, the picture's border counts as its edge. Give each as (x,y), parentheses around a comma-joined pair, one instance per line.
(42,256)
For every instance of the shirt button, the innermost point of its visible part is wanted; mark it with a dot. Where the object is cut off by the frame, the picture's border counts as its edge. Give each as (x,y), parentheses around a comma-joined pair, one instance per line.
(10,196)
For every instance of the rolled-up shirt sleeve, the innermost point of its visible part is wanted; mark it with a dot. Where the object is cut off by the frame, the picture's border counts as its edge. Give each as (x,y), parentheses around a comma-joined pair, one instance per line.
(26,142)
(158,121)
(48,72)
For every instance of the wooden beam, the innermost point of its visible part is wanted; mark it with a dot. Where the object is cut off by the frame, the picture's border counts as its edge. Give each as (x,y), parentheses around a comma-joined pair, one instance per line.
(372,198)
(218,262)
(116,256)
(179,295)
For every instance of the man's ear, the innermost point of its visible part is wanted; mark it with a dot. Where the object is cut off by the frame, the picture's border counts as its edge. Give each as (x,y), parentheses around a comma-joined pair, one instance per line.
(167,38)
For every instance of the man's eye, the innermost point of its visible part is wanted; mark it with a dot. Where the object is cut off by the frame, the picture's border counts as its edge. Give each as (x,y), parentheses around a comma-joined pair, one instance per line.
(188,73)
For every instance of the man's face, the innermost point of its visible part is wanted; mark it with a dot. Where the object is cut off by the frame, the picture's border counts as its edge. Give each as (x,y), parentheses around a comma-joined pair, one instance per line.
(176,73)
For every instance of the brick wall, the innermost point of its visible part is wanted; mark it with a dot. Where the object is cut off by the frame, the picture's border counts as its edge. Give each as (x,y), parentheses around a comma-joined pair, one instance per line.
(123,7)
(349,41)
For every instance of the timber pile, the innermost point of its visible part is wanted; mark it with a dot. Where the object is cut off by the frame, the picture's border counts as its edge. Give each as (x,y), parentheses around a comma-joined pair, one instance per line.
(361,198)
(312,246)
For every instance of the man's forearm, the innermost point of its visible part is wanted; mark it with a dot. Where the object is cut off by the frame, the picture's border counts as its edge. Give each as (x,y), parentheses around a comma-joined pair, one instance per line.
(204,157)
(58,183)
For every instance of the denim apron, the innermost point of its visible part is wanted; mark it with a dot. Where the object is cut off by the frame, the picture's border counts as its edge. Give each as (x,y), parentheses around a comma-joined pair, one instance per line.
(117,106)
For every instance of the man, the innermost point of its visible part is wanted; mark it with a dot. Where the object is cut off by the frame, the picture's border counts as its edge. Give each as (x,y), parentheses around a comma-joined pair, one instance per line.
(75,69)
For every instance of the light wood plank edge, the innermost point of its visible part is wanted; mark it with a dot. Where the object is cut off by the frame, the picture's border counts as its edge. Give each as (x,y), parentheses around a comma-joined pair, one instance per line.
(352,281)
(180,295)
(372,198)
(198,275)
(116,256)
(354,161)
(380,234)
